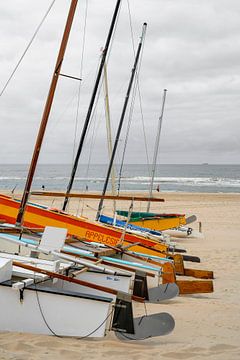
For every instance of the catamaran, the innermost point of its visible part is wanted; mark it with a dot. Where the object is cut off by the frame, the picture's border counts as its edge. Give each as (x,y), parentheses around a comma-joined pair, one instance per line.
(62,309)
(42,295)
(35,279)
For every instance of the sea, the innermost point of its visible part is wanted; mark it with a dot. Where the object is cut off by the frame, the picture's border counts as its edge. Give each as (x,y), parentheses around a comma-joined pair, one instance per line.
(204,178)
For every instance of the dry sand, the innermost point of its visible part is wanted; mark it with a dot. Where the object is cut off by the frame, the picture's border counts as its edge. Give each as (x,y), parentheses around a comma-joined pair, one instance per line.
(207,325)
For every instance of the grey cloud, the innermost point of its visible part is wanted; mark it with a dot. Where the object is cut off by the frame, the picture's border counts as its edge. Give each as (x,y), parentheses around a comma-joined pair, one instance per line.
(192,49)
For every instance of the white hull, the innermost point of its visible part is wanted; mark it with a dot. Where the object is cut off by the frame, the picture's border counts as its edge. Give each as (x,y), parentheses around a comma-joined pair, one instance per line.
(151,281)
(183,232)
(123,283)
(120,283)
(65,314)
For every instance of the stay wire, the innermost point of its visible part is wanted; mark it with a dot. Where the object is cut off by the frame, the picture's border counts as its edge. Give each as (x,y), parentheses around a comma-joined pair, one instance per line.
(127,136)
(99,92)
(140,320)
(92,142)
(102,323)
(94,128)
(60,336)
(80,83)
(28,46)
(42,314)
(136,87)
(139,92)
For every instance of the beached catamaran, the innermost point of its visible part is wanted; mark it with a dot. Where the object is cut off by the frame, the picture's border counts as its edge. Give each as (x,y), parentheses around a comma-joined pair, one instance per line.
(154,221)
(43,285)
(68,312)
(129,247)
(154,325)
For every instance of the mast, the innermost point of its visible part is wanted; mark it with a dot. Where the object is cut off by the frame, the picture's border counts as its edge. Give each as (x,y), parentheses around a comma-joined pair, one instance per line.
(90,108)
(46,112)
(156,149)
(122,118)
(109,134)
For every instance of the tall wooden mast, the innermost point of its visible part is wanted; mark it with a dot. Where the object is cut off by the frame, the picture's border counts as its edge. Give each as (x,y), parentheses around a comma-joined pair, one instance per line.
(46,112)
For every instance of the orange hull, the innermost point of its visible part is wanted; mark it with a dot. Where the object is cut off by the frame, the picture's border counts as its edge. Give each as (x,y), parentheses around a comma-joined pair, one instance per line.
(81,227)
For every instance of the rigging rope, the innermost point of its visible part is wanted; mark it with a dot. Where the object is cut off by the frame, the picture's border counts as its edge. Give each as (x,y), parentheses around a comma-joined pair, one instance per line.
(136,87)
(61,336)
(80,83)
(92,141)
(130,210)
(101,84)
(139,92)
(42,314)
(28,46)
(93,137)
(94,126)
(127,134)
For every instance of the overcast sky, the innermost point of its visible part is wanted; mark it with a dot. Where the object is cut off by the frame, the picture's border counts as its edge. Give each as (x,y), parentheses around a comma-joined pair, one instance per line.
(192,48)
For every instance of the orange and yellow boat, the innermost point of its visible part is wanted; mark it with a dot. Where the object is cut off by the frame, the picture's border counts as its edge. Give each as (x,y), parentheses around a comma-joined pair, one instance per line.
(158,222)
(37,217)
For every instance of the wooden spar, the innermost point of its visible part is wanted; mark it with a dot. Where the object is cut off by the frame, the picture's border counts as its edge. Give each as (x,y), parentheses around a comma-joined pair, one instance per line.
(200,274)
(123,251)
(156,149)
(73,280)
(46,112)
(23,230)
(194,286)
(178,264)
(105,262)
(181,270)
(94,196)
(90,108)
(122,119)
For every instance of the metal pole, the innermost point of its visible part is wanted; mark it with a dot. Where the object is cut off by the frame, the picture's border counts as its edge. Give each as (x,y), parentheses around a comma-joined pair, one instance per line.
(109,133)
(156,149)
(46,112)
(121,119)
(90,108)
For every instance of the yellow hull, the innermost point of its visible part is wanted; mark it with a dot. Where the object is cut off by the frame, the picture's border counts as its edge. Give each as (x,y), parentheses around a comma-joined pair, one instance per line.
(161,224)
(80,227)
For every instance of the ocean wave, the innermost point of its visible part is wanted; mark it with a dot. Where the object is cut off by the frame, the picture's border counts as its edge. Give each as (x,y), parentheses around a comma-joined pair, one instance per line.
(140,180)
(194,181)
(3,178)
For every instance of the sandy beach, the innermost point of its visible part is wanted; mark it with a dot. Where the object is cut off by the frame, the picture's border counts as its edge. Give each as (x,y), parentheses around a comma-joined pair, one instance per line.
(207,325)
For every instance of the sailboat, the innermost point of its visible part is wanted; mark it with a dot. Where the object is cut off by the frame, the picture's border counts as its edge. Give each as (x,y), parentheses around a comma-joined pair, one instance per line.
(157,221)
(28,278)
(66,311)
(35,216)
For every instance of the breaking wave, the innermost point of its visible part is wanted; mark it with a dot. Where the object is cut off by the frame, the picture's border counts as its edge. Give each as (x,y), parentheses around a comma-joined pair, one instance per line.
(192,178)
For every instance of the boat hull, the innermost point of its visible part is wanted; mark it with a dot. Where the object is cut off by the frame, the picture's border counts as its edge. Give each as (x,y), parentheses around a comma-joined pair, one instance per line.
(50,312)
(120,282)
(153,221)
(161,223)
(81,227)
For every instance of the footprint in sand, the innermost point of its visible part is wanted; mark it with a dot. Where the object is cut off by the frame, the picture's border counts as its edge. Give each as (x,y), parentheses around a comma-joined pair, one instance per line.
(181,355)
(222,348)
